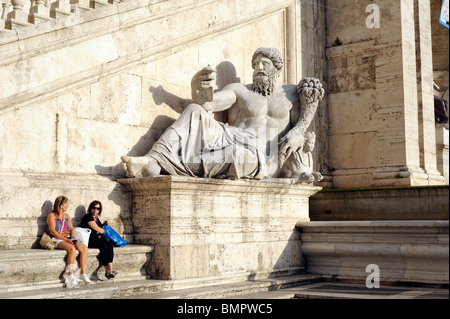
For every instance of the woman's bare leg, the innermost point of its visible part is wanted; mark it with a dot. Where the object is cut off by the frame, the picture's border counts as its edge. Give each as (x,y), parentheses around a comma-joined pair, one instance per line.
(83,256)
(71,253)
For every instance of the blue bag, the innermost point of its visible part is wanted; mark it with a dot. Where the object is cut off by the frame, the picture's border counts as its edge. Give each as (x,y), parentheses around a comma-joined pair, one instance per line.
(113,236)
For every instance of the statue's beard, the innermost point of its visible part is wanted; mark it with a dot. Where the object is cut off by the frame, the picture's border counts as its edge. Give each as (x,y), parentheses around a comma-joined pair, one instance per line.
(265,85)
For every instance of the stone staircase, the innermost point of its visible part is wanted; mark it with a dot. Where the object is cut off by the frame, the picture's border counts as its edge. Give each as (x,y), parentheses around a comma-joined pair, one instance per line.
(198,288)
(40,274)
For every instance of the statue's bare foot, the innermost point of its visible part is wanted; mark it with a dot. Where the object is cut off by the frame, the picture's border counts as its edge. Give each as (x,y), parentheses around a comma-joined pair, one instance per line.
(317,176)
(135,165)
(304,177)
(151,169)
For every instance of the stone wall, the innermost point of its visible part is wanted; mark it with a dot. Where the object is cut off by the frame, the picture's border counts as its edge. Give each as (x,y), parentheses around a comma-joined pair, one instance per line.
(81,90)
(384,203)
(84,89)
(396,252)
(381,112)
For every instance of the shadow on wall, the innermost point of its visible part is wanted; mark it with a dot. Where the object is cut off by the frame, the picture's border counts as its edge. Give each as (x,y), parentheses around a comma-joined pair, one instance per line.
(80,211)
(42,222)
(161,96)
(141,148)
(291,259)
(226,74)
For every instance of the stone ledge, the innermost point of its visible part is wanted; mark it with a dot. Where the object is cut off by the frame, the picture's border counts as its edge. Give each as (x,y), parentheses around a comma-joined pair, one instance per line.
(30,269)
(187,183)
(381,203)
(200,288)
(366,226)
(404,251)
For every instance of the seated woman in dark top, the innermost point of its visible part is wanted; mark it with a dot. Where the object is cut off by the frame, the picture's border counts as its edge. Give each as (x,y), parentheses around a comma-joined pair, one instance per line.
(96,240)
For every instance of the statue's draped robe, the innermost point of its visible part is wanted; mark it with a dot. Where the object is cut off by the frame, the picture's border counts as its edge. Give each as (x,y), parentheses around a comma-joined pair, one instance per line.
(198,145)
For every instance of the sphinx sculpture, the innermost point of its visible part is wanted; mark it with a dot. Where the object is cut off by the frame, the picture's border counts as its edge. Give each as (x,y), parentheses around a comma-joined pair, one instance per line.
(265,137)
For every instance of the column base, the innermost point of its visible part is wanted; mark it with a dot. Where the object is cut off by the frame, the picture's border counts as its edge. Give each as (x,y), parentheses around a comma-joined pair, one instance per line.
(399,176)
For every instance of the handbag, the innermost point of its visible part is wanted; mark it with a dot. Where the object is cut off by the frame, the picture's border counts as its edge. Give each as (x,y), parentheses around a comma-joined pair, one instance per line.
(82,235)
(47,242)
(113,236)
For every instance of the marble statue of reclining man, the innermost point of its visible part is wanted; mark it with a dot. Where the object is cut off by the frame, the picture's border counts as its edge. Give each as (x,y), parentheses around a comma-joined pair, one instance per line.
(267,124)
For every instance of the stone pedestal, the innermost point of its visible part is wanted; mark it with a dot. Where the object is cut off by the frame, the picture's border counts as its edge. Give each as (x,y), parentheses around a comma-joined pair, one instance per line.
(209,227)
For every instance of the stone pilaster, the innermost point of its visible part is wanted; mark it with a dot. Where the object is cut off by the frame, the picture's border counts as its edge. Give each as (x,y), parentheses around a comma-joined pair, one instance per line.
(427,136)
(396,94)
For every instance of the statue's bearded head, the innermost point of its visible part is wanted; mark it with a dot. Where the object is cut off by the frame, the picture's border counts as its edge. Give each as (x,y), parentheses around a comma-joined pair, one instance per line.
(267,64)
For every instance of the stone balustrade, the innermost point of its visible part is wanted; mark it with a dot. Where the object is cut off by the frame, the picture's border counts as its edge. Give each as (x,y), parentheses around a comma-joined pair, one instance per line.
(20,13)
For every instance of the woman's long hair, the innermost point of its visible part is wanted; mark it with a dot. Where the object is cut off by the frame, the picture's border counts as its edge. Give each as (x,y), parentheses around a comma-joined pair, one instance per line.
(58,202)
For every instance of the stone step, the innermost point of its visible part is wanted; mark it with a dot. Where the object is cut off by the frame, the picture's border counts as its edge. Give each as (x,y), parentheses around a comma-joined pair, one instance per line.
(34,269)
(234,289)
(290,287)
(201,288)
(341,290)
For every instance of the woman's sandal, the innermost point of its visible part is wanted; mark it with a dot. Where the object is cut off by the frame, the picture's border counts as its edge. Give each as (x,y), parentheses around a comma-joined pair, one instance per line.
(109,276)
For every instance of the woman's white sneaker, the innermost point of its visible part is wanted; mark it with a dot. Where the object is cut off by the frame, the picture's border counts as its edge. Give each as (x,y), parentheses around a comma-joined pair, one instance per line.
(86,279)
(71,282)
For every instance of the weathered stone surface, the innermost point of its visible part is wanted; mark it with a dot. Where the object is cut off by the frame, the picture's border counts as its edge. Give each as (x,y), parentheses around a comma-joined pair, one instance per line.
(28,198)
(25,269)
(54,95)
(404,251)
(219,227)
(381,114)
(393,203)
(87,88)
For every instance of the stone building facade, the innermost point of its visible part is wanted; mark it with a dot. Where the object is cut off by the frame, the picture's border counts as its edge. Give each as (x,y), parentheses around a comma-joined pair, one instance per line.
(85,82)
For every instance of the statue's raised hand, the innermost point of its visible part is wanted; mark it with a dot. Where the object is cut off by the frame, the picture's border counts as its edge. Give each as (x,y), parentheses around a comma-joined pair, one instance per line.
(310,90)
(202,85)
